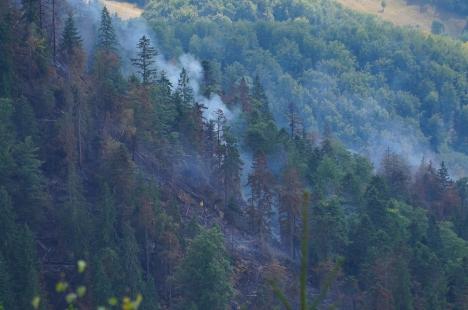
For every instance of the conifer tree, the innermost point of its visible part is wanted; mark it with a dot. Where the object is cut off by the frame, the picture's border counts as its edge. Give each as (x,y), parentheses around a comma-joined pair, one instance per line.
(71,40)
(6,39)
(289,208)
(31,10)
(231,167)
(444,177)
(184,100)
(396,173)
(184,92)
(107,40)
(145,60)
(17,249)
(261,199)
(244,96)
(210,85)
(258,94)
(204,275)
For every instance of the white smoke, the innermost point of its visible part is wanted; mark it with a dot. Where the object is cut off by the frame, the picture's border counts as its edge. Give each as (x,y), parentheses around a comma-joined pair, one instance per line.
(87,15)
(195,73)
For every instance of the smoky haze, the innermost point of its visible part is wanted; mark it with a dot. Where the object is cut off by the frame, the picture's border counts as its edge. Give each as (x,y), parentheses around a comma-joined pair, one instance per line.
(87,15)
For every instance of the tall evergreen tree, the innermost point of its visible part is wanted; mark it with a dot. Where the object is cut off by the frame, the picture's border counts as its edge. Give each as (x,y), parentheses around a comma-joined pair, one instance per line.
(204,275)
(145,60)
(261,199)
(71,40)
(231,167)
(107,39)
(289,208)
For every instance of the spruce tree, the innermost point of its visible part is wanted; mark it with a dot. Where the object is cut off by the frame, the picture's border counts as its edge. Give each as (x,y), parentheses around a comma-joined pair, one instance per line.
(231,166)
(107,40)
(184,91)
(258,93)
(17,250)
(145,60)
(443,177)
(71,40)
(261,199)
(31,11)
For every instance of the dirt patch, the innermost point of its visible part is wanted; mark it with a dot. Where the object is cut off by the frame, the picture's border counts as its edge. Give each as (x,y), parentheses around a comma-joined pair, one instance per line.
(400,13)
(124,10)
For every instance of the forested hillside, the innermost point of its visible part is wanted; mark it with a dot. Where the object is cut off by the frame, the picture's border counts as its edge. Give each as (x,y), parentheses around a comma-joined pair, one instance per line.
(458,6)
(368,81)
(133,175)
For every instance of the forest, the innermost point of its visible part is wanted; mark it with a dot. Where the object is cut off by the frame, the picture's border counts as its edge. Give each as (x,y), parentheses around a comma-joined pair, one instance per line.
(225,154)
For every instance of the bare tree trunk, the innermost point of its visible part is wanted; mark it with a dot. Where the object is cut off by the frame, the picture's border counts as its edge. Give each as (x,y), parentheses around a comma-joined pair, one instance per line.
(79,136)
(54,31)
(40,14)
(147,256)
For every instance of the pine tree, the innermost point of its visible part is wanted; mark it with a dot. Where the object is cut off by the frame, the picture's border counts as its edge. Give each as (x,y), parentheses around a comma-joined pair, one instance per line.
(184,92)
(6,39)
(261,199)
(210,85)
(289,208)
(107,40)
(17,248)
(376,198)
(244,96)
(145,61)
(31,10)
(165,109)
(444,178)
(231,167)
(6,295)
(71,40)
(258,94)
(184,101)
(396,173)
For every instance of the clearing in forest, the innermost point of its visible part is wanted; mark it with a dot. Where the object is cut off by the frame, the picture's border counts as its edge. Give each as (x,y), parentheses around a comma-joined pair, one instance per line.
(124,10)
(401,13)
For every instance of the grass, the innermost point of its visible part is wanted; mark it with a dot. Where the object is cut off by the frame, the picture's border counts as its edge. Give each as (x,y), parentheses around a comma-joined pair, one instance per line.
(400,13)
(124,10)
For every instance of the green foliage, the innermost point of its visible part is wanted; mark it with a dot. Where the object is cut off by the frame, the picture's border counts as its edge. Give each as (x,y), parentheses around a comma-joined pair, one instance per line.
(334,64)
(71,40)
(456,6)
(204,274)
(145,60)
(18,258)
(107,40)
(437,27)
(94,166)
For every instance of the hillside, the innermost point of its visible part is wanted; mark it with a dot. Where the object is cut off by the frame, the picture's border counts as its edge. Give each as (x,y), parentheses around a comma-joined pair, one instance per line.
(226,154)
(402,13)
(124,10)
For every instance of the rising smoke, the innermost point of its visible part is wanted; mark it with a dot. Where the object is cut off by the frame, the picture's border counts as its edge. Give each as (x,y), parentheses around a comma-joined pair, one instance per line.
(88,14)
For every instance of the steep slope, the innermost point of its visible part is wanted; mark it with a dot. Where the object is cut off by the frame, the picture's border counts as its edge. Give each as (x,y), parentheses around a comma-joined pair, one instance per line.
(417,16)
(125,10)
(134,179)
(369,82)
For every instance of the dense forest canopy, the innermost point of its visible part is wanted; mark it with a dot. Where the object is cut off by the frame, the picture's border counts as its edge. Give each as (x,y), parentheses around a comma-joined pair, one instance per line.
(457,6)
(135,175)
(368,81)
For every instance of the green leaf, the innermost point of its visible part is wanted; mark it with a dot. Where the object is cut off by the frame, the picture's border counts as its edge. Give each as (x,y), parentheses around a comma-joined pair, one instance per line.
(35,302)
(61,286)
(113,301)
(81,266)
(71,298)
(81,291)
